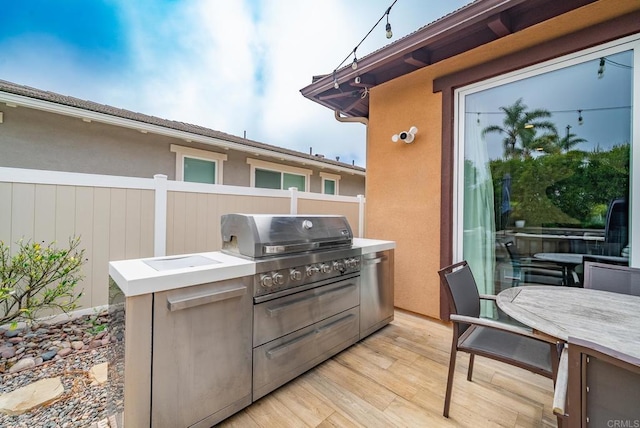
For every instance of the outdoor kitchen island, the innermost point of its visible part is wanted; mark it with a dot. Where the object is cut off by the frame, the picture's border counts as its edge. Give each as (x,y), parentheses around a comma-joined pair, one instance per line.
(189,355)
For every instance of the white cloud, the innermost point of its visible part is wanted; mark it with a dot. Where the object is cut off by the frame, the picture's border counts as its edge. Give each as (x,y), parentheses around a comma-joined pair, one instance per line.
(197,61)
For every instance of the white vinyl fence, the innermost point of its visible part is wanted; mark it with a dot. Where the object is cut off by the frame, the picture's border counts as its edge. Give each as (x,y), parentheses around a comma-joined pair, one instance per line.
(125,217)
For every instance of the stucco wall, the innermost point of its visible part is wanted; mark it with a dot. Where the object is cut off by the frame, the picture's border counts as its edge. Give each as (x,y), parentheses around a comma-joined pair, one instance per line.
(403,193)
(36,139)
(404,180)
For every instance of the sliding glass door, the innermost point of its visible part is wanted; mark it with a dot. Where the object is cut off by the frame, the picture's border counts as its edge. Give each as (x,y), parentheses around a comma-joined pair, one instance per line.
(544,167)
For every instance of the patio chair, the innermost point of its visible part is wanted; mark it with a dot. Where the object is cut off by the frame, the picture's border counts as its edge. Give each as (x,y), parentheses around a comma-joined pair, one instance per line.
(596,385)
(532,272)
(610,277)
(616,231)
(485,337)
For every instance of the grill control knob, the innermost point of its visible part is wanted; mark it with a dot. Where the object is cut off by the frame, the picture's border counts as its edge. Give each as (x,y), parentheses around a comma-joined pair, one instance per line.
(351,263)
(295,275)
(266,281)
(278,279)
(324,268)
(339,266)
(312,270)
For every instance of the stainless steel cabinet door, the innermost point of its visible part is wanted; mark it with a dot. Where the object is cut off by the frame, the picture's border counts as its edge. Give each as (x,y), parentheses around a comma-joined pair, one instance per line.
(201,353)
(376,291)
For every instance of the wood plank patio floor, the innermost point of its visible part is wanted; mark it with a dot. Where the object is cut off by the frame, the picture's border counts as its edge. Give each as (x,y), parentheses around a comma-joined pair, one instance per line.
(396,378)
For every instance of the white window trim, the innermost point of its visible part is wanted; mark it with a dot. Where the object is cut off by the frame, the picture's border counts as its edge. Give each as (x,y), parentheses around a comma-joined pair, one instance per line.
(276,167)
(189,152)
(626,43)
(332,177)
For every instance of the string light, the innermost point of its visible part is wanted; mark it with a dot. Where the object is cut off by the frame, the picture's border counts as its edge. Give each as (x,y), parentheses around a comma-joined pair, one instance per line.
(557,111)
(354,64)
(388,26)
(604,61)
(601,69)
(530,126)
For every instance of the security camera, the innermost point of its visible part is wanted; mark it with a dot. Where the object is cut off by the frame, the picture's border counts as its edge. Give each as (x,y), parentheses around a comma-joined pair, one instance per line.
(405,136)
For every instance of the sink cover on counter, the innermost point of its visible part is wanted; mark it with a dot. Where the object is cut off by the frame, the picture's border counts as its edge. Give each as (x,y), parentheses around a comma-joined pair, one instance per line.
(172,263)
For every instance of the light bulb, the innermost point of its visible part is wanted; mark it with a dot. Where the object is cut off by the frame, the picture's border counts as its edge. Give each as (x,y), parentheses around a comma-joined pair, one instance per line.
(335,84)
(601,69)
(354,64)
(389,32)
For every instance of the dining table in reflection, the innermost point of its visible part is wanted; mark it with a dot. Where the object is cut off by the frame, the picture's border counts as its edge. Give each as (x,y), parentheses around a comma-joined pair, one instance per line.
(569,261)
(609,319)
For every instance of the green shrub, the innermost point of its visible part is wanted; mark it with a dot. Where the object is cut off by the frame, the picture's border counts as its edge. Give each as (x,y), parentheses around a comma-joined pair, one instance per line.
(36,278)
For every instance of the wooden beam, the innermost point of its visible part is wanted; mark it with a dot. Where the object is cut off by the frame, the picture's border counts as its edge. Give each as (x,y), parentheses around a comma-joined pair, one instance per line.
(500,24)
(339,95)
(419,58)
(353,105)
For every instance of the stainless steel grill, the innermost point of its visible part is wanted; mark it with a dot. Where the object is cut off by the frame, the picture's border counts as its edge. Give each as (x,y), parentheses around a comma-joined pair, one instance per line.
(291,251)
(306,291)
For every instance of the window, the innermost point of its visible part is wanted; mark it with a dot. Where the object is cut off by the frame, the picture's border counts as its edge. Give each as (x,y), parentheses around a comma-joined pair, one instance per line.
(329,187)
(198,166)
(542,155)
(199,170)
(329,183)
(268,175)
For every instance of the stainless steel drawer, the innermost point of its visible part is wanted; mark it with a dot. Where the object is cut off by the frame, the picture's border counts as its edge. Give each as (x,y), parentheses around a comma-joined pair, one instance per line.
(275,318)
(281,360)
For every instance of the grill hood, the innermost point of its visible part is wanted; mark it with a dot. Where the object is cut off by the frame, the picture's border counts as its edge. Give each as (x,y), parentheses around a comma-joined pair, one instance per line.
(263,235)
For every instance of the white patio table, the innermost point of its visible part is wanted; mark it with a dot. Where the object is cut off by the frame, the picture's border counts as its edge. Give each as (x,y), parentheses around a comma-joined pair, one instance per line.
(606,318)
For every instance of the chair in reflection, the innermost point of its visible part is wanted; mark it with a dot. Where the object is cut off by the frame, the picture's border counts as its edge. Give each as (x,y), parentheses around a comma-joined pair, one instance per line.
(616,231)
(526,271)
(610,277)
(484,337)
(596,386)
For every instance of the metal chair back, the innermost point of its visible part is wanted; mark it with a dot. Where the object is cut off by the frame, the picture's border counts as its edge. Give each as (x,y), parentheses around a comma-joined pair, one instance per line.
(462,292)
(614,278)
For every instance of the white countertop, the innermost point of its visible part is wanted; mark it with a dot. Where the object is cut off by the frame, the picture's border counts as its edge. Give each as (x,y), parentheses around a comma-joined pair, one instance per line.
(373,245)
(136,277)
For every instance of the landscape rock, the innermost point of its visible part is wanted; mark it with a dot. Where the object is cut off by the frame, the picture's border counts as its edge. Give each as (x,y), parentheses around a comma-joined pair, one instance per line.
(25,363)
(33,395)
(64,352)
(98,373)
(49,355)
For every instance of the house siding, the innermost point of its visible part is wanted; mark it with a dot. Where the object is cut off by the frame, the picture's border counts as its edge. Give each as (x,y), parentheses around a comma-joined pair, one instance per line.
(35,139)
(405,182)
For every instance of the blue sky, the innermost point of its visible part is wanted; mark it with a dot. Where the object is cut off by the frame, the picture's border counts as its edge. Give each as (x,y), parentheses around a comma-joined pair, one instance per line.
(574,91)
(232,66)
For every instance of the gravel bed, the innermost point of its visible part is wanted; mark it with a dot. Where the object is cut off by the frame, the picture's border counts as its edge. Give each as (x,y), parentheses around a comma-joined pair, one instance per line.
(70,350)
(81,404)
